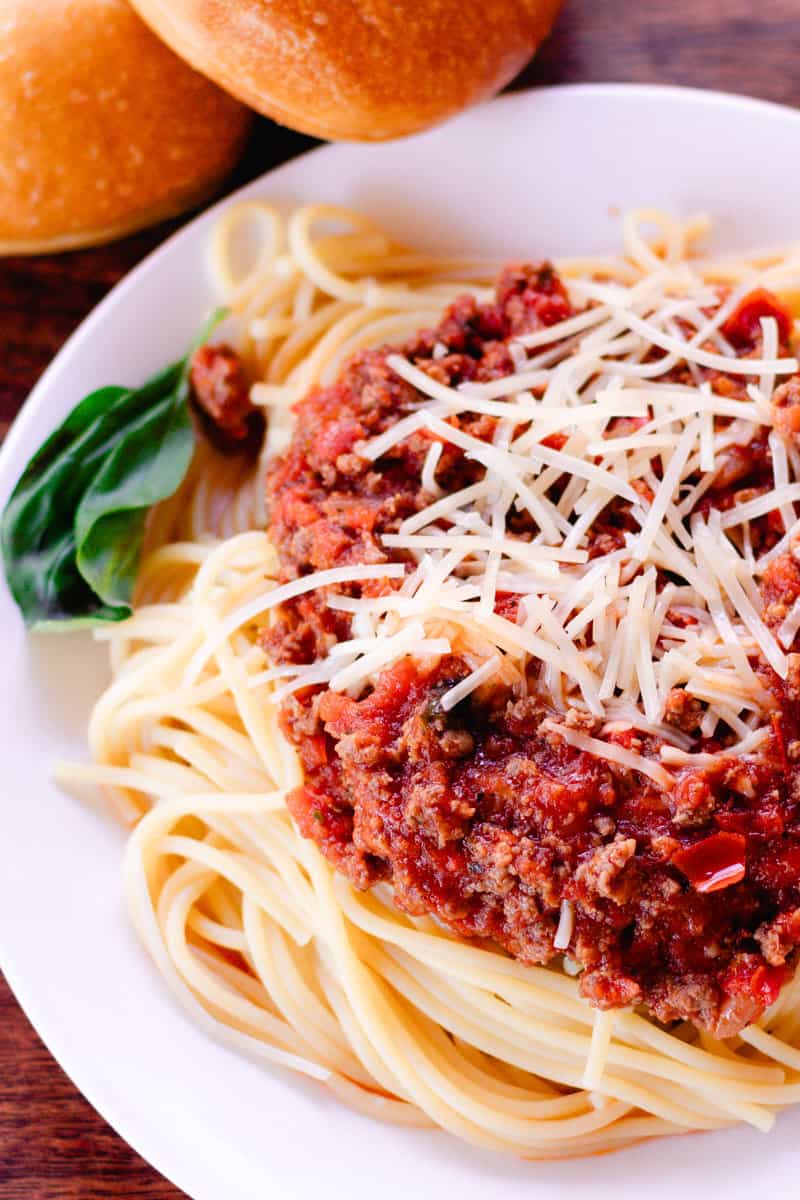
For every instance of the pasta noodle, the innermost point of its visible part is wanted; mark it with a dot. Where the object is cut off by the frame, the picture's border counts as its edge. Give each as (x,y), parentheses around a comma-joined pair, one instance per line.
(253,931)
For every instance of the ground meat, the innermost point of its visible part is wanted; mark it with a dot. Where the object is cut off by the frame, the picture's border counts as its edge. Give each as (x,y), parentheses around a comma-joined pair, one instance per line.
(494,839)
(750,463)
(683,711)
(786,409)
(778,938)
(598,876)
(693,997)
(328,505)
(221,393)
(694,799)
(780,589)
(685,901)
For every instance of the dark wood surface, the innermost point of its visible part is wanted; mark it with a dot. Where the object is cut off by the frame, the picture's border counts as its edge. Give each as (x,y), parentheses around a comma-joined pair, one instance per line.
(53,1146)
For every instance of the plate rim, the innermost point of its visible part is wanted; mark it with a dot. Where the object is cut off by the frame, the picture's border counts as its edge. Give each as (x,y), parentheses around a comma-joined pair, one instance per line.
(139,1136)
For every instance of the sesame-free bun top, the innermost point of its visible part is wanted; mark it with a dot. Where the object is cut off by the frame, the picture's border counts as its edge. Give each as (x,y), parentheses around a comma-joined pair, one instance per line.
(359,69)
(103,129)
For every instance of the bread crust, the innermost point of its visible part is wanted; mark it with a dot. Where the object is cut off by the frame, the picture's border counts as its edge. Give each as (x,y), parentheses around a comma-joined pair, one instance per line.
(355,69)
(103,129)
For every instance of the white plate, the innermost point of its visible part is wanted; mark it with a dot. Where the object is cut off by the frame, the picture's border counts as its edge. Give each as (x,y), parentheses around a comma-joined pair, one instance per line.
(538,173)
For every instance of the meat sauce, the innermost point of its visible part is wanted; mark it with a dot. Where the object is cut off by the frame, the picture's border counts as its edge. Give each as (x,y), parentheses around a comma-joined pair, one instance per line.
(685,901)
(221,396)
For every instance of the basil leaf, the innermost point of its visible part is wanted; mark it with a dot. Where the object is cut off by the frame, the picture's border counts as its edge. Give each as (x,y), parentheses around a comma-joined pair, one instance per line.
(37,534)
(99,450)
(146,465)
(71,534)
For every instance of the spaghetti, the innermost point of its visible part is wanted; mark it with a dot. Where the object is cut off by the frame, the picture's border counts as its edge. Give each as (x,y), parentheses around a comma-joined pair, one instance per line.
(259,937)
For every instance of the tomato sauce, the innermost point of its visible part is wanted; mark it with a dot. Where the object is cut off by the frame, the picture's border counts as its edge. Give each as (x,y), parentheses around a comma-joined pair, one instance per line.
(686,901)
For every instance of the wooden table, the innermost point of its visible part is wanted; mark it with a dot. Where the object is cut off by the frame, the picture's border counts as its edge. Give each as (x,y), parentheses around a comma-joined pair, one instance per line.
(53,1146)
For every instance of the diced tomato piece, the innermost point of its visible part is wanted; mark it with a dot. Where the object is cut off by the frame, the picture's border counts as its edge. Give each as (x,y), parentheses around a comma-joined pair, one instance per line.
(315,752)
(506,605)
(294,510)
(754,978)
(556,441)
(338,438)
(743,325)
(394,693)
(781,581)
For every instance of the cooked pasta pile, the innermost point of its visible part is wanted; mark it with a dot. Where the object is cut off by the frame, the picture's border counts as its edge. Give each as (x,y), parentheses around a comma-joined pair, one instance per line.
(258,937)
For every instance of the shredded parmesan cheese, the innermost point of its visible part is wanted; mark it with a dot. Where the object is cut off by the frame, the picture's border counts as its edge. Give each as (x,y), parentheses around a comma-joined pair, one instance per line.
(606,435)
(566,924)
(466,686)
(613,753)
(787,631)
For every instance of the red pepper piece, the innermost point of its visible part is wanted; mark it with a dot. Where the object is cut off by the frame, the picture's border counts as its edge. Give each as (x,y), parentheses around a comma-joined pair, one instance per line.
(714,863)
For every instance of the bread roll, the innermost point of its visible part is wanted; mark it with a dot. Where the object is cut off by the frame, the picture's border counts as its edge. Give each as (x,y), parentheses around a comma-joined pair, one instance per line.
(102,128)
(361,69)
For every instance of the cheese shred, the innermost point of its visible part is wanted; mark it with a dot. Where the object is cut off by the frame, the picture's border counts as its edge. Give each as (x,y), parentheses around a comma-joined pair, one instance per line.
(628,386)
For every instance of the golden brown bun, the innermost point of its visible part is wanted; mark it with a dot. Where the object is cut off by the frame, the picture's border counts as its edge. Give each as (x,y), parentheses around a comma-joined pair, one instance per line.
(362,69)
(102,129)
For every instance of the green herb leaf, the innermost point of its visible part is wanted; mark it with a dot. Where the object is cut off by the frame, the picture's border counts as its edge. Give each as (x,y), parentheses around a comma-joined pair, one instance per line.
(72,531)
(144,467)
